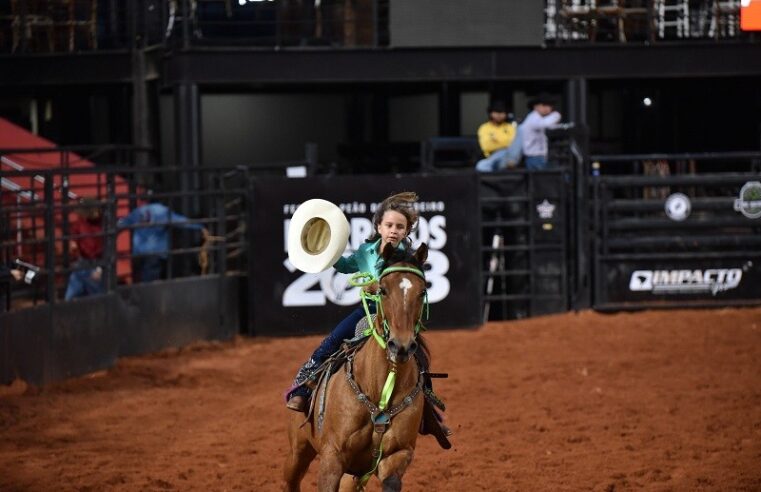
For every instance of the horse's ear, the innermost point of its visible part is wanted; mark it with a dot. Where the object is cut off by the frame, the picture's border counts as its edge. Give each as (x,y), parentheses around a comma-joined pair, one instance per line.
(421,254)
(388,252)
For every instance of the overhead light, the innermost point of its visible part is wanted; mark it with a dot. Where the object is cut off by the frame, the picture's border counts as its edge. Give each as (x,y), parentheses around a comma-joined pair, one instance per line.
(647,102)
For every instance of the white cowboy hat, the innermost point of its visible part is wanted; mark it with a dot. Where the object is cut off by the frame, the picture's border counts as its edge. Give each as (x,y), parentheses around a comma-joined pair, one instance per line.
(317,235)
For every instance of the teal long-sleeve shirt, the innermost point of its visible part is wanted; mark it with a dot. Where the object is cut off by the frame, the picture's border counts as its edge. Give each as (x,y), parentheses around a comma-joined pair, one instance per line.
(366,259)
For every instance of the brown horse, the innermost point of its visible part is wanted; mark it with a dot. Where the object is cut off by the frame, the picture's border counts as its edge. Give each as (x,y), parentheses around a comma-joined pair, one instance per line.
(354,431)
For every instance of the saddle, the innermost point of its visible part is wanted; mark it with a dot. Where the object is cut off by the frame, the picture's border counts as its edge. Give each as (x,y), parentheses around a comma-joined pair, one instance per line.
(318,378)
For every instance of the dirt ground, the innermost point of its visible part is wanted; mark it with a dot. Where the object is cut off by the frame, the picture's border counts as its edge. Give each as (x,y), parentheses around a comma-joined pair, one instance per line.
(666,400)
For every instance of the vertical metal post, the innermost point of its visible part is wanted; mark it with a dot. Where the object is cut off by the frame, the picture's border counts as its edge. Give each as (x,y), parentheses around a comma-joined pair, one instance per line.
(576,97)
(582,289)
(50,235)
(311,158)
(187,127)
(449,110)
(375,23)
(185,24)
(110,232)
(65,207)
(23,14)
(249,231)
(221,247)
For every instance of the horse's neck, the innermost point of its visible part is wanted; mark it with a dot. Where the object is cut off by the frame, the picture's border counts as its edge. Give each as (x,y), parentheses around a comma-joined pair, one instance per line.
(372,367)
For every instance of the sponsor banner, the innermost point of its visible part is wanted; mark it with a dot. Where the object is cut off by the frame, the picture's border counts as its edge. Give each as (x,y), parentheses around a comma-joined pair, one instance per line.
(288,301)
(678,280)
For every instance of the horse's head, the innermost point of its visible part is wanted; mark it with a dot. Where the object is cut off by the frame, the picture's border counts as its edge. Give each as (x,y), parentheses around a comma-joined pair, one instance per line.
(402,292)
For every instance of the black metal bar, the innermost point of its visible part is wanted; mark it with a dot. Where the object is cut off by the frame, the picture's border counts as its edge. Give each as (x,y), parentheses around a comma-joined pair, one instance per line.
(221,203)
(653,205)
(65,211)
(685,243)
(635,224)
(680,255)
(630,181)
(186,13)
(639,306)
(50,235)
(698,156)
(109,224)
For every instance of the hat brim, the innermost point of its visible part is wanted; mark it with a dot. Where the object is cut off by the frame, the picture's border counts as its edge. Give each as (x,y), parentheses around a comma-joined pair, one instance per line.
(317,235)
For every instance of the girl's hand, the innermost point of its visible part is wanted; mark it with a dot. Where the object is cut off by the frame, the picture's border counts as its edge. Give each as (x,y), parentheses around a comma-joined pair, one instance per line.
(372,288)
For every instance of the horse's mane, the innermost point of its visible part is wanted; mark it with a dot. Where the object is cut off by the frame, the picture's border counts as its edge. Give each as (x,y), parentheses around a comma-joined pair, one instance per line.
(404,255)
(407,255)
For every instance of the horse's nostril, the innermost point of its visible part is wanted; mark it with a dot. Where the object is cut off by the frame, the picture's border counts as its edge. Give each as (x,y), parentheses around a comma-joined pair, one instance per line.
(392,346)
(413,347)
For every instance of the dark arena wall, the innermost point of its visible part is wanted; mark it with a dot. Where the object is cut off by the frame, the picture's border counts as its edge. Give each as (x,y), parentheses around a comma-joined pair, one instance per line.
(51,343)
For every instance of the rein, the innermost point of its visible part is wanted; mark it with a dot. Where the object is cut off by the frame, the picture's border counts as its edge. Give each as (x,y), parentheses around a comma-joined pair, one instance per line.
(363,279)
(379,417)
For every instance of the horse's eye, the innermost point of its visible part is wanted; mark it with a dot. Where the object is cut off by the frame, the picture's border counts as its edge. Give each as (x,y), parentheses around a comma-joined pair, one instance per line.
(422,294)
(382,291)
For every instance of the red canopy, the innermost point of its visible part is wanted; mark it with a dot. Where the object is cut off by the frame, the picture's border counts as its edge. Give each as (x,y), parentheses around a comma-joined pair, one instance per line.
(25,189)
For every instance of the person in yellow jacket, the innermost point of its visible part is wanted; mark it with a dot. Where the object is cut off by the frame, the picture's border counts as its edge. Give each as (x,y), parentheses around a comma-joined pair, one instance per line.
(495,137)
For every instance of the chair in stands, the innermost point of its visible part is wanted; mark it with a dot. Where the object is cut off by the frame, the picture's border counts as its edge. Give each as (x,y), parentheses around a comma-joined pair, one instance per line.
(32,21)
(725,19)
(673,14)
(639,17)
(624,15)
(574,19)
(75,16)
(441,153)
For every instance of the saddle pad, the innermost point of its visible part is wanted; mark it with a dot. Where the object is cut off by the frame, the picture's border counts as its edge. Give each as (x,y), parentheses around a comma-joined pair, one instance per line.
(363,325)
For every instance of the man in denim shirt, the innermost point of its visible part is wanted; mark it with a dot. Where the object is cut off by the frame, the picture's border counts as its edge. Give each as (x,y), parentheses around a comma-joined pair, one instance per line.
(150,239)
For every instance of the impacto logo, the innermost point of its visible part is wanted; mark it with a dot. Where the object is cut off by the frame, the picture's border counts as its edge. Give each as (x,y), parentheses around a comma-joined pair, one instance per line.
(685,281)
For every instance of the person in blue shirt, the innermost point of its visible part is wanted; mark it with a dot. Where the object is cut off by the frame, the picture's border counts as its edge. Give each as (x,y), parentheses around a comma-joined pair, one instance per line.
(150,237)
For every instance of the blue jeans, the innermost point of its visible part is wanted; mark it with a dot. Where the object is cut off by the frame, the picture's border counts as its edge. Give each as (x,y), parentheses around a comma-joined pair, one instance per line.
(536,162)
(82,284)
(499,160)
(150,268)
(343,331)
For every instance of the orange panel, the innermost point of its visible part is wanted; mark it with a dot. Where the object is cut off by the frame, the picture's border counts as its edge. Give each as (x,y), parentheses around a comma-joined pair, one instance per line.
(750,15)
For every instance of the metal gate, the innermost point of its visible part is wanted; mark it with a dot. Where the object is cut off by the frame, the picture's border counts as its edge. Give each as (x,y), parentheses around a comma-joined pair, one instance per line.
(676,230)
(534,240)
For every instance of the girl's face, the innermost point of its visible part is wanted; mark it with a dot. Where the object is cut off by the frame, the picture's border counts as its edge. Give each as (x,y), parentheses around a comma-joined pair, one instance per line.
(392,228)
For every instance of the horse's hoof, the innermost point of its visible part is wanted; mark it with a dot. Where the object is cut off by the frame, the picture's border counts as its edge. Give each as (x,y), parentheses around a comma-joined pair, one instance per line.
(297,403)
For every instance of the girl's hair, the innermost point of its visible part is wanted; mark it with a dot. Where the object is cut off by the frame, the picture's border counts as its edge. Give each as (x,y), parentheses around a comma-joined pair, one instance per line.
(404,203)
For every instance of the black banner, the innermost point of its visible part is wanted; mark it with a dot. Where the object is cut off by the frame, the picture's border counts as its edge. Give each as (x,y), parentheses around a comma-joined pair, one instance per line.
(680,281)
(287,301)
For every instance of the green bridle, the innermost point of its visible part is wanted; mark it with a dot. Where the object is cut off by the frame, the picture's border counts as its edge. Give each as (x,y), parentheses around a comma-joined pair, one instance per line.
(363,279)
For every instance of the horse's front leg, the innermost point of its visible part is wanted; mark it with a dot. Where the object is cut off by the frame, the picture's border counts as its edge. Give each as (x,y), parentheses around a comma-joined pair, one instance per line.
(331,470)
(300,456)
(392,468)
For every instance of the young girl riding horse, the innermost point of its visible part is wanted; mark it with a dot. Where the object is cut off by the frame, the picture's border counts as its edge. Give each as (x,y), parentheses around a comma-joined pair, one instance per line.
(394,220)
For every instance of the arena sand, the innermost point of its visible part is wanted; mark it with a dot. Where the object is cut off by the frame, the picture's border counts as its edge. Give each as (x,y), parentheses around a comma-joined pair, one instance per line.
(663,401)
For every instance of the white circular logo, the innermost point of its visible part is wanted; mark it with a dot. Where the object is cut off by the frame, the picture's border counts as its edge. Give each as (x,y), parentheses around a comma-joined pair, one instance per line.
(749,202)
(678,206)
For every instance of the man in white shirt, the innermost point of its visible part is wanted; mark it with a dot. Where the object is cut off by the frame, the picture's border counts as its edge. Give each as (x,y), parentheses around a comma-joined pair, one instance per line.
(532,131)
